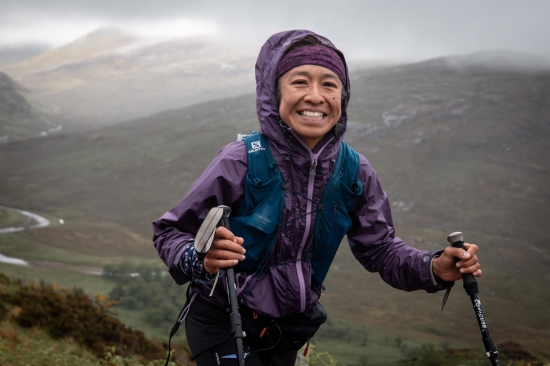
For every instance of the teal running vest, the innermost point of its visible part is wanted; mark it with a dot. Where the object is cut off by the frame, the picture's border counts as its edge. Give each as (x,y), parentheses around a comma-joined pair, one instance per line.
(261,211)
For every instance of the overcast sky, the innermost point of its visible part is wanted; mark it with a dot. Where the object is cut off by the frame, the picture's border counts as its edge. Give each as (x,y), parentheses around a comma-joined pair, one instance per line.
(373,29)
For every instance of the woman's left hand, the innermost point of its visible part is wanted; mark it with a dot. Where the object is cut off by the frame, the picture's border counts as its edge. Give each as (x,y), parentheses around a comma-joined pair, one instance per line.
(455,262)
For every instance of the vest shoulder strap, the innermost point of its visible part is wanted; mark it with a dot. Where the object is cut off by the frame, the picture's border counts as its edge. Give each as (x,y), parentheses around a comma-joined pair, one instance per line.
(260,159)
(349,165)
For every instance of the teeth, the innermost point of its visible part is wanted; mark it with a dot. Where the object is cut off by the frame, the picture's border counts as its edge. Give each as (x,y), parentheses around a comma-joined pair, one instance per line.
(312,114)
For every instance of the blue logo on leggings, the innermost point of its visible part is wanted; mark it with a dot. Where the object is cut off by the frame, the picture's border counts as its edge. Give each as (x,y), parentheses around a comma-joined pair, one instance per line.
(234,355)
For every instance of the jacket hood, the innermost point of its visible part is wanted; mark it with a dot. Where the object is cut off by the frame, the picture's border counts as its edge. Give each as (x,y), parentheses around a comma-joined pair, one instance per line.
(267,104)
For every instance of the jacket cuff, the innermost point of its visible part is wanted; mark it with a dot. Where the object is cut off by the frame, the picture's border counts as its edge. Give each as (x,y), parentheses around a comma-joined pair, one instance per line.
(174,269)
(192,266)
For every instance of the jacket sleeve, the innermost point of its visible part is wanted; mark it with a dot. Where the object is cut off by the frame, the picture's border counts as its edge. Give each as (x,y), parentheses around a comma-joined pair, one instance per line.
(222,183)
(374,244)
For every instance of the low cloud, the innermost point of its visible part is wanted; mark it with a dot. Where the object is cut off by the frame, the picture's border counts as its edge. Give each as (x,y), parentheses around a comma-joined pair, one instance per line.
(374,29)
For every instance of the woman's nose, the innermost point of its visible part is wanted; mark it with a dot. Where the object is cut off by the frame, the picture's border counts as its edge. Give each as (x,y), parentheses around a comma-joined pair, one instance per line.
(314,95)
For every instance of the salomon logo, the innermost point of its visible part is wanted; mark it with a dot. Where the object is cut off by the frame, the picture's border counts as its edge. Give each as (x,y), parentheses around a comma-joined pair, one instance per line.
(256,146)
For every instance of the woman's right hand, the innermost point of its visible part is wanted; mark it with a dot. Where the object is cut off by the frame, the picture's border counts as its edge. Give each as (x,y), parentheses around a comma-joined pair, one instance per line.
(226,251)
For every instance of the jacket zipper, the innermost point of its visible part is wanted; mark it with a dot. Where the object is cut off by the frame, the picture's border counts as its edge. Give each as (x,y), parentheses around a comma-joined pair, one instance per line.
(310,185)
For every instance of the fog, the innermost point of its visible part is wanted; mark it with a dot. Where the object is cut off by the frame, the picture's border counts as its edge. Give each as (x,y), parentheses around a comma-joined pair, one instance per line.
(380,29)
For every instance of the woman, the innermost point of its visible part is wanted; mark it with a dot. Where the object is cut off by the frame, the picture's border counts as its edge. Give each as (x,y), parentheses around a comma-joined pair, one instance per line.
(303,91)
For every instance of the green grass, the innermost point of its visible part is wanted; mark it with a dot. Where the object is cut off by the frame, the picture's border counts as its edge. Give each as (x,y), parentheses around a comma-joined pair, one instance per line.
(84,243)
(43,325)
(10,218)
(138,320)
(92,286)
(351,344)
(20,346)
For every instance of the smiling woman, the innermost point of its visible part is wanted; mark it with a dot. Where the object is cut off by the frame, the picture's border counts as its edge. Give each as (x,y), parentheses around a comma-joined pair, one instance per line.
(295,190)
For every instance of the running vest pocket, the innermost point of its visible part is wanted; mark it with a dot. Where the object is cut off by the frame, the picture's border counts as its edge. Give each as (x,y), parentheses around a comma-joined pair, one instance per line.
(258,219)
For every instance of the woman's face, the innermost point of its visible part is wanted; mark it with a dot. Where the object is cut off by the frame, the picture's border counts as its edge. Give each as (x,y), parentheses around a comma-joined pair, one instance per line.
(310,101)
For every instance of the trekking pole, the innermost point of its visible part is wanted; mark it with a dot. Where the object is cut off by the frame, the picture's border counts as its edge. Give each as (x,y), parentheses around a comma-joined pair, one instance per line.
(470,285)
(234,317)
(219,216)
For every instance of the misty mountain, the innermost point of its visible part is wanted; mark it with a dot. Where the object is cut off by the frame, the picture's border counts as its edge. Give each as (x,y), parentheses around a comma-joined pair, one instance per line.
(110,76)
(456,148)
(497,60)
(11,54)
(18,119)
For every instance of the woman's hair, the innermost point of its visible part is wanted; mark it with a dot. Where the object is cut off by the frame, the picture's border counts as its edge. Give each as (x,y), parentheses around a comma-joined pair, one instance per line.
(307,41)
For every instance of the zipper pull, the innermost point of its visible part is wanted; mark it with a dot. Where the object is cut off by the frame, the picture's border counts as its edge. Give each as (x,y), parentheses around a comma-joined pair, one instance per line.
(313,169)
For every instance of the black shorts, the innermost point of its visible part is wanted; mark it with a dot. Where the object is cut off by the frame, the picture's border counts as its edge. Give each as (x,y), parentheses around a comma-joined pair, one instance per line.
(207,329)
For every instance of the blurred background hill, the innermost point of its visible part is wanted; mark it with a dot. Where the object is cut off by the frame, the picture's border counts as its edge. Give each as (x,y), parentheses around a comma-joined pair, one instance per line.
(111,75)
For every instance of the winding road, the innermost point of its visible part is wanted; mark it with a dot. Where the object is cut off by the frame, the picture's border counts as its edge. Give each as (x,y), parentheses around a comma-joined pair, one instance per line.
(34,221)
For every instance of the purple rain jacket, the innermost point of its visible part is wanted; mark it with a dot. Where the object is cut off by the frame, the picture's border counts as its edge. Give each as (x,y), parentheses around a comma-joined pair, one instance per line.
(287,289)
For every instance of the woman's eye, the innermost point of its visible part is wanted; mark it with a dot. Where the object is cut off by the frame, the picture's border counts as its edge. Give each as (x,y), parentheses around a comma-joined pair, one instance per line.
(331,85)
(299,82)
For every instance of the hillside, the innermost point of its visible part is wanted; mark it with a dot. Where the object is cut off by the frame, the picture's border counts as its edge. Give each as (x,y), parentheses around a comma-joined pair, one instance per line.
(456,148)
(111,76)
(57,326)
(52,325)
(17,117)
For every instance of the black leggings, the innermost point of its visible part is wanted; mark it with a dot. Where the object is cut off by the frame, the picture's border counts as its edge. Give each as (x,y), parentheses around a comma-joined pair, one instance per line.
(207,329)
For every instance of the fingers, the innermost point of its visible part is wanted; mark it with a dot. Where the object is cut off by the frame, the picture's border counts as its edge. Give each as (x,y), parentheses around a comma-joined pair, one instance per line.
(465,256)
(213,265)
(225,254)
(227,240)
(468,269)
(471,248)
(226,251)
(226,245)
(468,261)
(222,258)
(455,262)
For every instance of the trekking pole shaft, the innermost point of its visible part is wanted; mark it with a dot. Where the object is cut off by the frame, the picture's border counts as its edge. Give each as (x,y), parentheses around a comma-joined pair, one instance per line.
(470,285)
(490,347)
(234,317)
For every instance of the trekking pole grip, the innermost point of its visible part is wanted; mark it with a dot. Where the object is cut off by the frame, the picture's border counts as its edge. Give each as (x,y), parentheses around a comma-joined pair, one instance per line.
(468,280)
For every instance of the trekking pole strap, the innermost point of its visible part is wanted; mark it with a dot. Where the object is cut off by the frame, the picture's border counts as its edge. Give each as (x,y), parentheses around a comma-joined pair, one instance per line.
(181,318)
